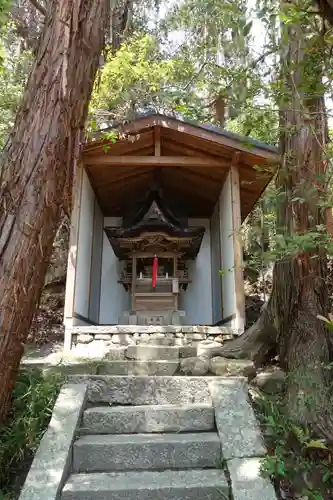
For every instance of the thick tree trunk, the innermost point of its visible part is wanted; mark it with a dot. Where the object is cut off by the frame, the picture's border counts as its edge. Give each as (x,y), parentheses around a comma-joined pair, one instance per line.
(38,164)
(299,292)
(300,280)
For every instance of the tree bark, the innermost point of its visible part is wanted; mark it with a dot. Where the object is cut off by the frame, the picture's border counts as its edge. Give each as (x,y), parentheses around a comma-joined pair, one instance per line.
(38,164)
(300,280)
(299,293)
(258,343)
(325,9)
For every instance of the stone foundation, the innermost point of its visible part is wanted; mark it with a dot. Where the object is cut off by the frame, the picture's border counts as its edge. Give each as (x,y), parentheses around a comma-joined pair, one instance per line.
(156,350)
(106,337)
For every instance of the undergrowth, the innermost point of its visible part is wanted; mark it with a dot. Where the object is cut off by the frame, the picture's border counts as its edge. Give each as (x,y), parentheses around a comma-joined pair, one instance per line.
(299,465)
(33,399)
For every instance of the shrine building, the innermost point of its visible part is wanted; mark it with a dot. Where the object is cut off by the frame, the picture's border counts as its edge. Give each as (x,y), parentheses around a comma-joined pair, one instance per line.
(155,227)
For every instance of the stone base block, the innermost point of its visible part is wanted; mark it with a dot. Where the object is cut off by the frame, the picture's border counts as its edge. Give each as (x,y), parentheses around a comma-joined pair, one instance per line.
(148,418)
(247,482)
(137,367)
(148,485)
(146,452)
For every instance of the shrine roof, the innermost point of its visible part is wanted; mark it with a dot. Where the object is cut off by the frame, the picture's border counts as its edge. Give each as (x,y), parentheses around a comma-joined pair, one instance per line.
(193,159)
(155,224)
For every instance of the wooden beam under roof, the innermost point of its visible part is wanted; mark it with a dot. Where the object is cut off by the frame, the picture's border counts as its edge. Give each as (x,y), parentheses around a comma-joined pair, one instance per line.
(202,133)
(157,141)
(171,147)
(131,143)
(151,161)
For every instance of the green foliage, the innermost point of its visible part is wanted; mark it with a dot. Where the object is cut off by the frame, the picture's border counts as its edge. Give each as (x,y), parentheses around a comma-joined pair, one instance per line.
(138,77)
(295,457)
(4,9)
(259,122)
(33,400)
(14,68)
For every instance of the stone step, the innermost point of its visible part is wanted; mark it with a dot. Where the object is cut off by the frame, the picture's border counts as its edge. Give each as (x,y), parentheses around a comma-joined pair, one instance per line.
(103,453)
(167,485)
(150,419)
(143,390)
(147,352)
(138,367)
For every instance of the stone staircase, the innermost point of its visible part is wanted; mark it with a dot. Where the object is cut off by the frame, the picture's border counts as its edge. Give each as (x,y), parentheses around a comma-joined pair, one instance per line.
(166,438)
(150,431)
(149,451)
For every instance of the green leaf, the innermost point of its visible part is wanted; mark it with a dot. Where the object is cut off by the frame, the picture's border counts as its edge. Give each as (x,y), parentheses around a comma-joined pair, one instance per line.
(329,323)
(327,476)
(316,444)
(247,28)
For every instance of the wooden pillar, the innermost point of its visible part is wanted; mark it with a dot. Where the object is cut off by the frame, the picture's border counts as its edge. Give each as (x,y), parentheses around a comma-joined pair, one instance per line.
(175,262)
(175,284)
(133,282)
(239,323)
(72,254)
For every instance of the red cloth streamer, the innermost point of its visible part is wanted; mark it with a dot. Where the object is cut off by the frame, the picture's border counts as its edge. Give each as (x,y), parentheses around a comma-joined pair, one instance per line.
(154,274)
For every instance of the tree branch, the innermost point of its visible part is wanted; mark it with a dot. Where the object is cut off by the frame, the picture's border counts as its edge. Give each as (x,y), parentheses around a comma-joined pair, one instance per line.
(326,9)
(39,7)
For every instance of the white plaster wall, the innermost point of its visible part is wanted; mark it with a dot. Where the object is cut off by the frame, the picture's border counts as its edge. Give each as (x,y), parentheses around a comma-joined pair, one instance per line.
(114,300)
(227,250)
(84,252)
(96,263)
(215,239)
(196,301)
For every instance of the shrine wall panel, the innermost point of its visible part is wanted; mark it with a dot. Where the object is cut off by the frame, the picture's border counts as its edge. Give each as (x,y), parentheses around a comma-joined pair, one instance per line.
(215,237)
(114,300)
(196,301)
(84,250)
(96,263)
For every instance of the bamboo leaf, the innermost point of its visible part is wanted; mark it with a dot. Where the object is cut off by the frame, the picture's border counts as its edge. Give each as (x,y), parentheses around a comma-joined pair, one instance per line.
(316,444)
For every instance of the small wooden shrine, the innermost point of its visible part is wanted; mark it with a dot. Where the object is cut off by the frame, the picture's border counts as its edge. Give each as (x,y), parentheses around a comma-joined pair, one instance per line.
(154,246)
(156,216)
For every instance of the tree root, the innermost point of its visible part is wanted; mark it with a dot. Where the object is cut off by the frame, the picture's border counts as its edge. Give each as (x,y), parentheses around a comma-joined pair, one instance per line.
(258,343)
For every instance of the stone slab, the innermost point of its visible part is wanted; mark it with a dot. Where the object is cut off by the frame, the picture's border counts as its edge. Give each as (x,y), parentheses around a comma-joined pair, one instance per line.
(148,485)
(208,348)
(72,368)
(225,366)
(271,382)
(148,418)
(152,340)
(188,351)
(52,461)
(247,482)
(146,352)
(96,349)
(122,452)
(194,366)
(189,329)
(163,341)
(137,367)
(116,352)
(84,338)
(235,420)
(123,339)
(65,364)
(141,390)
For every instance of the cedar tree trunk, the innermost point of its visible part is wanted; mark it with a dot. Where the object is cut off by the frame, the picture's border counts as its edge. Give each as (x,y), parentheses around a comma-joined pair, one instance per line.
(299,292)
(38,165)
(290,322)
